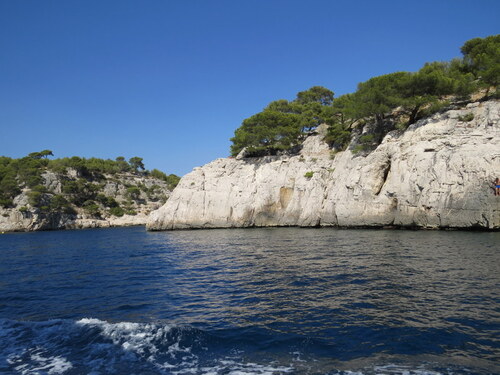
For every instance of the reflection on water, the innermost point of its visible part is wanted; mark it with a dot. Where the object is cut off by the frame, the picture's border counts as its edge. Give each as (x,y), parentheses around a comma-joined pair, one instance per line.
(390,278)
(338,295)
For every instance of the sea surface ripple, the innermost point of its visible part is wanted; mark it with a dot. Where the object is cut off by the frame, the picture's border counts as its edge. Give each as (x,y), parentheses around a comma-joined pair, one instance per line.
(252,301)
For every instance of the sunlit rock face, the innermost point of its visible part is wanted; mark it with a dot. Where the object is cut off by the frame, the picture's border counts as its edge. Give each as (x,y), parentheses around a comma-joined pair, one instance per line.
(17,219)
(439,173)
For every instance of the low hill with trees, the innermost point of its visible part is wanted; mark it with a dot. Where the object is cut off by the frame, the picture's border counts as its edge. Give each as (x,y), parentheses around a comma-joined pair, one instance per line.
(41,193)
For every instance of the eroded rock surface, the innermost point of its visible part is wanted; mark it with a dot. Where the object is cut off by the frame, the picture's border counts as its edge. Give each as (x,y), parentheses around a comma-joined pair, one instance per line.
(437,174)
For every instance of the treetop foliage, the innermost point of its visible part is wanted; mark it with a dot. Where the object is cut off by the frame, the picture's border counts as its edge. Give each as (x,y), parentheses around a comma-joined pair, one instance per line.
(482,58)
(41,154)
(136,163)
(283,124)
(316,94)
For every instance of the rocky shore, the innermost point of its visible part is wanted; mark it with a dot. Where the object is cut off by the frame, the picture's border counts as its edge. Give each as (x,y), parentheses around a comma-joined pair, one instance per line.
(436,174)
(150,194)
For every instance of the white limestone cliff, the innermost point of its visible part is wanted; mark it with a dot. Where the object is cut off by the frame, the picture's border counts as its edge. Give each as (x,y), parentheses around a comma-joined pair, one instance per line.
(437,174)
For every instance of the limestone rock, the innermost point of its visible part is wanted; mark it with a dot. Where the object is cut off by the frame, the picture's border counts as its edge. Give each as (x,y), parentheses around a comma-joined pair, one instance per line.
(52,182)
(24,217)
(437,174)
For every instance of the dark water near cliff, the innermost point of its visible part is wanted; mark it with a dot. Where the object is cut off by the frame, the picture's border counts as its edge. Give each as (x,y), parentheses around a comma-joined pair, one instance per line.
(255,301)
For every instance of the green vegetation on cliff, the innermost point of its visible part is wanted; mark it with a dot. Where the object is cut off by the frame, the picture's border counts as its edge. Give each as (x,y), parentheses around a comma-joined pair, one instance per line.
(282,125)
(267,131)
(66,185)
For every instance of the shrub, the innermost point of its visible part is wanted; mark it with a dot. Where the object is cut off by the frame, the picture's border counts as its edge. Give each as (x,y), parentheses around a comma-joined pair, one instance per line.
(367,142)
(80,191)
(338,135)
(33,181)
(467,117)
(35,198)
(106,201)
(8,185)
(116,211)
(158,174)
(39,188)
(402,125)
(6,202)
(309,174)
(91,208)
(434,108)
(133,192)
(172,181)
(58,203)
(358,148)
(366,139)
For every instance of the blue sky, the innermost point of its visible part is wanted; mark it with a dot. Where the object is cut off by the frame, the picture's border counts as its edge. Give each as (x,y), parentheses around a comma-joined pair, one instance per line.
(170,81)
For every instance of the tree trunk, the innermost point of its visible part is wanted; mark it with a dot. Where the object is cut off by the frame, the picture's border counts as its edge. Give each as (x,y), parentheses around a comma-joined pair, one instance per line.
(413,115)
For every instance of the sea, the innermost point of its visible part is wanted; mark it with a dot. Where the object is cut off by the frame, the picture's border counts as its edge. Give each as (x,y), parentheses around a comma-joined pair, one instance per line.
(250,301)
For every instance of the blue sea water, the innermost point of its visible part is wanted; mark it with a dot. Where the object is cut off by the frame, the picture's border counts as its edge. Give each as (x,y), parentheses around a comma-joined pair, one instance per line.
(253,301)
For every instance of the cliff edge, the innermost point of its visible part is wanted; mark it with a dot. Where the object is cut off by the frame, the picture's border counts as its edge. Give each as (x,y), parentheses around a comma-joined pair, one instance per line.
(439,173)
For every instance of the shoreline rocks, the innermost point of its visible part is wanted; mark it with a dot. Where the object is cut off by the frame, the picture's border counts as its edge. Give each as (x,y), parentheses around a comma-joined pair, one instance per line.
(437,174)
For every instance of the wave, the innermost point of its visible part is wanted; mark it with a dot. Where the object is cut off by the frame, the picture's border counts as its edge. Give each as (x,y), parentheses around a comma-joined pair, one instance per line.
(92,346)
(95,347)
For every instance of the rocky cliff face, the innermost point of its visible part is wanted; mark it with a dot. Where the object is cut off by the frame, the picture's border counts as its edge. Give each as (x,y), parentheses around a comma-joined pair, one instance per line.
(437,174)
(23,216)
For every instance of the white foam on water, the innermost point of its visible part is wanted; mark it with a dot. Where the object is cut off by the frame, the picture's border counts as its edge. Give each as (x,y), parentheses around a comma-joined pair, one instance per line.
(231,367)
(392,369)
(34,361)
(54,365)
(139,342)
(134,337)
(101,348)
(139,339)
(43,347)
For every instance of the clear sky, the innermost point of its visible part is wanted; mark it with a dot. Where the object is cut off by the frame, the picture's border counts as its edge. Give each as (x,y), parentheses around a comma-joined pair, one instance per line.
(170,81)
